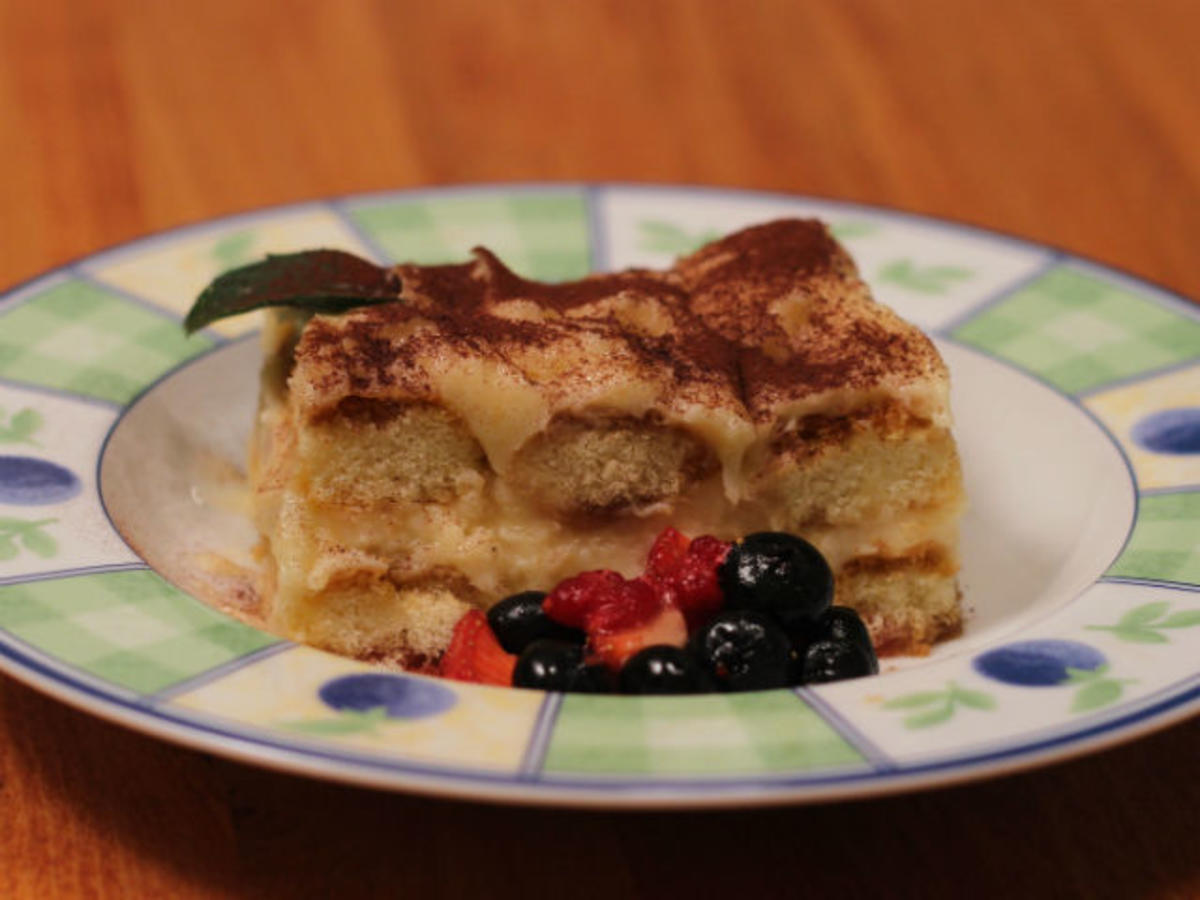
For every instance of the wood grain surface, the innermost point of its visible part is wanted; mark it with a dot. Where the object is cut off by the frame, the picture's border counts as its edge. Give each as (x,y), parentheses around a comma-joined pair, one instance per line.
(1073,123)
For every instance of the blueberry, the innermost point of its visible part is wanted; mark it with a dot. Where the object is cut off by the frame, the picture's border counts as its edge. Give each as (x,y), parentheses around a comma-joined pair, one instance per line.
(519,620)
(833,660)
(663,669)
(551,665)
(841,623)
(593,680)
(778,574)
(743,650)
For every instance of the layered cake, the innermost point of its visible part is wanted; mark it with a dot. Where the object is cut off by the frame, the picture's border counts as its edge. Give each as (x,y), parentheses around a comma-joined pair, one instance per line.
(484,434)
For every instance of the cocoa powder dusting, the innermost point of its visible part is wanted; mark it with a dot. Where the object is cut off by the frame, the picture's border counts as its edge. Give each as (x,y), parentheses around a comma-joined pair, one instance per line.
(724,337)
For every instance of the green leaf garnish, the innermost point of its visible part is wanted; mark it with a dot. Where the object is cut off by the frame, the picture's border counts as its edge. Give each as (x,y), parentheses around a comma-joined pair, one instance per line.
(317,280)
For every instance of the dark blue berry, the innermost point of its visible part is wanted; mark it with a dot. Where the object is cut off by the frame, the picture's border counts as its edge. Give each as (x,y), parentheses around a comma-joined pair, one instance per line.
(832,660)
(778,574)
(519,620)
(743,650)
(551,665)
(663,669)
(841,623)
(593,680)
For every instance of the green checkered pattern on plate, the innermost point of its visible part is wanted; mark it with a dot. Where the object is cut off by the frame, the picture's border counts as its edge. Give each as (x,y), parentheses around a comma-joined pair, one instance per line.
(702,735)
(539,234)
(131,628)
(1078,331)
(1165,544)
(78,337)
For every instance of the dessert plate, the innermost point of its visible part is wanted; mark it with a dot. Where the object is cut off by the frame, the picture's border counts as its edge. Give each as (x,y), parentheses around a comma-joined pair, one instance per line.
(1077,400)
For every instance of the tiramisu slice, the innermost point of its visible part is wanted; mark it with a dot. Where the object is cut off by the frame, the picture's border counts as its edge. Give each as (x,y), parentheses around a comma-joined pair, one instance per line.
(484,434)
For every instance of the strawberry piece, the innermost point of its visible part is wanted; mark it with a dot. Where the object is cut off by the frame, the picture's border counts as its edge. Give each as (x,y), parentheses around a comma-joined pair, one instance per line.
(684,573)
(601,601)
(611,649)
(669,549)
(628,605)
(574,599)
(474,653)
(619,616)
(709,550)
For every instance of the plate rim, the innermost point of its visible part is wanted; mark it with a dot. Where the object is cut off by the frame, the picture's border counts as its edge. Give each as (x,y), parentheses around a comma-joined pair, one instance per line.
(59,680)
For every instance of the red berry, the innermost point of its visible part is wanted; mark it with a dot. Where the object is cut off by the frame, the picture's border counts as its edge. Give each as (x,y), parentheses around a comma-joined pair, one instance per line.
(710,549)
(668,551)
(629,605)
(572,600)
(685,573)
(474,653)
(601,601)
(612,649)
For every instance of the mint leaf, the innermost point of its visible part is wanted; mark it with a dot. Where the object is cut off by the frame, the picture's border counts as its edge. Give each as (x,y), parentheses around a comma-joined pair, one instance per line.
(1143,615)
(1186,619)
(317,280)
(1097,694)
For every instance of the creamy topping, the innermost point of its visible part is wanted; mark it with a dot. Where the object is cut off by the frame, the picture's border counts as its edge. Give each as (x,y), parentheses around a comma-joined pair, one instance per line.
(767,325)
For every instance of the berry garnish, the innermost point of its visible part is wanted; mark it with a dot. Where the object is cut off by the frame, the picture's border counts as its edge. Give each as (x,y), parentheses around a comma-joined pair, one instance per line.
(833,660)
(593,680)
(662,669)
(474,653)
(519,620)
(613,648)
(778,574)
(684,573)
(551,665)
(667,552)
(841,623)
(743,650)
(600,601)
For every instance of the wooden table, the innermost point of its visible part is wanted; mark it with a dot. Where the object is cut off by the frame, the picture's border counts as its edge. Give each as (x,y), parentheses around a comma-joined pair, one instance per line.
(1069,122)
